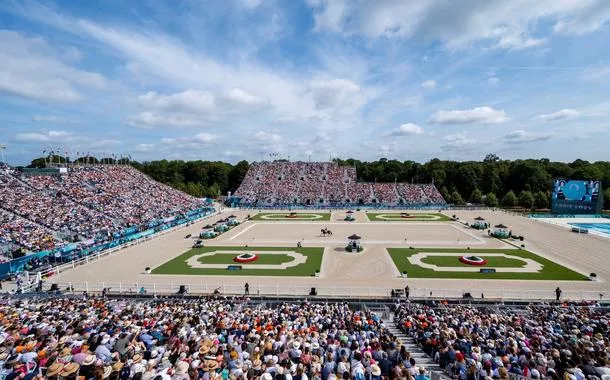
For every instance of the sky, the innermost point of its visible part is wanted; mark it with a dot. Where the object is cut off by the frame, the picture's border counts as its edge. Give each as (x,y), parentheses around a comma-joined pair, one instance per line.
(306,79)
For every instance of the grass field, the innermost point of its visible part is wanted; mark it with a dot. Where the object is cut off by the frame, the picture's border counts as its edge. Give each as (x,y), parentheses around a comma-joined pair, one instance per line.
(550,271)
(418,217)
(178,265)
(227,258)
(279,216)
(492,261)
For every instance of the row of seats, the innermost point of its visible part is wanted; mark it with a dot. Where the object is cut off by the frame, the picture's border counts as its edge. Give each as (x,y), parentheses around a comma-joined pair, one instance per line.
(285,183)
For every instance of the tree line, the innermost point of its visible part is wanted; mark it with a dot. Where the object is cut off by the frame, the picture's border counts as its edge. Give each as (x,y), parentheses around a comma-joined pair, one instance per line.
(492,181)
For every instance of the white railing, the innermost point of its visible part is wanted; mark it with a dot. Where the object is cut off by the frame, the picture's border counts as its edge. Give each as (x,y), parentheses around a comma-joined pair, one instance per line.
(93,257)
(206,288)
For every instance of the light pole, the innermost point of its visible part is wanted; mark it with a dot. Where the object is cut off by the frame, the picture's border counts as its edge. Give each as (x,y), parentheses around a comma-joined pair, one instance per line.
(2,148)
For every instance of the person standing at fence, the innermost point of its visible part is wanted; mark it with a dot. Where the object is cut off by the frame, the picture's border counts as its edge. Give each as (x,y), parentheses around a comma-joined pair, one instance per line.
(407,291)
(247,289)
(557,294)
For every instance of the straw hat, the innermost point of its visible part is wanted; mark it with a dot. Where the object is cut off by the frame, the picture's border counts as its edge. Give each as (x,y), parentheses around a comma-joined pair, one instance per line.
(137,358)
(211,365)
(89,360)
(375,370)
(107,372)
(204,350)
(69,369)
(182,368)
(116,367)
(54,369)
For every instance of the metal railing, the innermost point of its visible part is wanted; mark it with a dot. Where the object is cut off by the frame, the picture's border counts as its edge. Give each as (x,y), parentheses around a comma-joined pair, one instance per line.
(93,257)
(303,291)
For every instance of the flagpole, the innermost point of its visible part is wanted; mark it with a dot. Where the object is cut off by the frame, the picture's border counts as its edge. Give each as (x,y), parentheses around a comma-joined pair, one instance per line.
(2,149)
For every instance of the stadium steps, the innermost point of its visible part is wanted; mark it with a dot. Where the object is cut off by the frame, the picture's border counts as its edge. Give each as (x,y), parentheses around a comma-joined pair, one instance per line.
(421,358)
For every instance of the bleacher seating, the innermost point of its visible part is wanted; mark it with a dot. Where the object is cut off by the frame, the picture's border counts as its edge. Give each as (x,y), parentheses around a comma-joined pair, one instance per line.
(41,212)
(318,183)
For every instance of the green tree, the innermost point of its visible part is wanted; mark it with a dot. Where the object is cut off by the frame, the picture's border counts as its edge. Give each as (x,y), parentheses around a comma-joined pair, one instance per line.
(541,200)
(476,196)
(491,200)
(456,198)
(607,199)
(509,200)
(526,199)
(445,193)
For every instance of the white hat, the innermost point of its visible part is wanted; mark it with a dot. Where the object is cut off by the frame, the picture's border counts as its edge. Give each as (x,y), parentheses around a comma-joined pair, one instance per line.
(296,345)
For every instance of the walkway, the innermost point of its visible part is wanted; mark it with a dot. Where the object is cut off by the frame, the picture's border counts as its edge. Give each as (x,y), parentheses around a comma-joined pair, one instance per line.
(421,358)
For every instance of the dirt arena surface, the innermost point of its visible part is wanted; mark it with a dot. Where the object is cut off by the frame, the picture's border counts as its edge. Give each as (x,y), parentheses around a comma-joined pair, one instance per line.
(394,234)
(370,273)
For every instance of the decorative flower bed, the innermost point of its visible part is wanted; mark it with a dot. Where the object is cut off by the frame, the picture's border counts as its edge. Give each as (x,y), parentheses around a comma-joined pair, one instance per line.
(473,260)
(406,216)
(245,258)
(292,216)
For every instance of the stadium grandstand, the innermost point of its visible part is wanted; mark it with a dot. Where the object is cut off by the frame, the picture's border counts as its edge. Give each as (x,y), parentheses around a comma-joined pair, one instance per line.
(84,207)
(234,338)
(320,184)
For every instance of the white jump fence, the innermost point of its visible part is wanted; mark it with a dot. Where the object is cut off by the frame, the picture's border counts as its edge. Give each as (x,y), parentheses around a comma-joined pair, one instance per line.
(300,291)
(96,256)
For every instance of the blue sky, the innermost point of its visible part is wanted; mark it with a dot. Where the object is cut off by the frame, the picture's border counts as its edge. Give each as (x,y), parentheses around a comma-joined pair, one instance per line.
(242,79)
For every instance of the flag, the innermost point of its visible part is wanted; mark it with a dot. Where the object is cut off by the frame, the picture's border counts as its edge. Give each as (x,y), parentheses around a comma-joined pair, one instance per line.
(44,151)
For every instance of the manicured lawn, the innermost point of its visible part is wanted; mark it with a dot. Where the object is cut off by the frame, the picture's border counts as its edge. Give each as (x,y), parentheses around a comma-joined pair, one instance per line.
(227,258)
(492,261)
(280,216)
(550,271)
(179,266)
(417,217)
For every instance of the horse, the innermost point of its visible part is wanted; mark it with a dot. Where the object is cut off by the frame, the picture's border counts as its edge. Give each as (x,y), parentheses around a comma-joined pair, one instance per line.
(326,232)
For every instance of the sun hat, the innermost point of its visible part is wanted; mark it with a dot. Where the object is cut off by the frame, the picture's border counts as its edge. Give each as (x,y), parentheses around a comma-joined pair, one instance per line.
(54,369)
(375,370)
(69,369)
(182,368)
(89,360)
(107,372)
(137,358)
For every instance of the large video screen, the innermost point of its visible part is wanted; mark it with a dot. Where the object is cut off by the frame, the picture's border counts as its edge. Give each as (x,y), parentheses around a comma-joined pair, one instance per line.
(576,197)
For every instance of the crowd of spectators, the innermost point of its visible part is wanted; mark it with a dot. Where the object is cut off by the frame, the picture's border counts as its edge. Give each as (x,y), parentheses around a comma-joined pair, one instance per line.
(217,338)
(202,339)
(560,342)
(311,183)
(86,202)
(386,192)
(16,232)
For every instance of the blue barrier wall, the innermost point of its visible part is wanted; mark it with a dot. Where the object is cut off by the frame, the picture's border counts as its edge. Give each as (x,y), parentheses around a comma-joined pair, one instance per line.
(71,252)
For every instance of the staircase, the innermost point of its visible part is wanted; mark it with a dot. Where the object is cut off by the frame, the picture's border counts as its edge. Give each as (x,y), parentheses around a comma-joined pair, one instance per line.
(421,358)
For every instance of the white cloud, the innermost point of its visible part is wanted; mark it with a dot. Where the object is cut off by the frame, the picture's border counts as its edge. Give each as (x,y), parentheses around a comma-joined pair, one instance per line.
(48,136)
(152,120)
(520,136)
(429,84)
(477,115)
(267,136)
(243,97)
(329,15)
(52,119)
(331,93)
(143,148)
(505,24)
(191,142)
(458,142)
(595,73)
(563,114)
(32,69)
(407,129)
(198,102)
